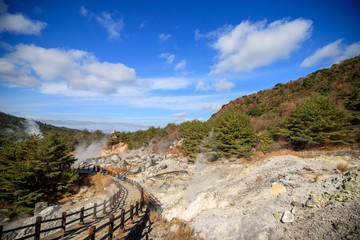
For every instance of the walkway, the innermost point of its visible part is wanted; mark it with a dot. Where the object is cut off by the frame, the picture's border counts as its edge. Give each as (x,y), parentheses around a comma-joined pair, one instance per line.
(129,196)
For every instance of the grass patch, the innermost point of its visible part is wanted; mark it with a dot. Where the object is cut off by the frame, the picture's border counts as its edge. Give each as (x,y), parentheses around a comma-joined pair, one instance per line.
(343,167)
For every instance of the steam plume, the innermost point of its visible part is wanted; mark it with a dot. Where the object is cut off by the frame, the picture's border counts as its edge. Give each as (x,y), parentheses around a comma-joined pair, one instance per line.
(31,127)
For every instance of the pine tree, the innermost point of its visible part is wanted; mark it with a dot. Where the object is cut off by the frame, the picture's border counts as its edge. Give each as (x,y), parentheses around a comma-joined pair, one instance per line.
(34,169)
(316,122)
(192,132)
(235,135)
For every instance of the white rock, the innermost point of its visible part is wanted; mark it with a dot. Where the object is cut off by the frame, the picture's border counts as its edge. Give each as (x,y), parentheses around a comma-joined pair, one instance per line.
(287,217)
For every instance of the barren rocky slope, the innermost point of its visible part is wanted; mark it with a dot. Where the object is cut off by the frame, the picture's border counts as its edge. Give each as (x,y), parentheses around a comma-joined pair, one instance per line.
(282,197)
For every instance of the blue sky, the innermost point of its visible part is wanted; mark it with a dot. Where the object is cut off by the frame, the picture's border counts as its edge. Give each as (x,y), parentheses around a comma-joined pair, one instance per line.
(128,65)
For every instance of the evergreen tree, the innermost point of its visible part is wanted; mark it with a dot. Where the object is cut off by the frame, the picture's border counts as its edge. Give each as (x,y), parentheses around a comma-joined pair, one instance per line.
(34,169)
(192,132)
(235,135)
(316,122)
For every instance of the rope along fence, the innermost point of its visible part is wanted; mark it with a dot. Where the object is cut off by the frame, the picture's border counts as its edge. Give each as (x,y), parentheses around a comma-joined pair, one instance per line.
(125,217)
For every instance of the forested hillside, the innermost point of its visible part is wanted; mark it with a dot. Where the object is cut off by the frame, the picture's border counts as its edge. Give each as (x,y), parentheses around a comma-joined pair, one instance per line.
(321,110)
(341,82)
(13,129)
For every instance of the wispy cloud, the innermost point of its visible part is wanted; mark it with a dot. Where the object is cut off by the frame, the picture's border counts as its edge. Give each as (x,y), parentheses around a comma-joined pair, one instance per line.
(166,83)
(112,26)
(334,52)
(92,124)
(83,11)
(223,85)
(181,65)
(179,115)
(164,37)
(211,108)
(142,25)
(202,86)
(18,23)
(168,56)
(251,45)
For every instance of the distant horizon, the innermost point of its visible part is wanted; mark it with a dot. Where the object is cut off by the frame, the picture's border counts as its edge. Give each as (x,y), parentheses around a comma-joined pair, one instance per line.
(126,66)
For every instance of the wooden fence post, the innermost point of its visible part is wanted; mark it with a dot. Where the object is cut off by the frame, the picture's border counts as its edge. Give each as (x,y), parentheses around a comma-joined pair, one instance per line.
(141,201)
(122,222)
(131,221)
(1,230)
(137,209)
(104,209)
(37,228)
(81,216)
(92,231)
(111,226)
(94,214)
(63,222)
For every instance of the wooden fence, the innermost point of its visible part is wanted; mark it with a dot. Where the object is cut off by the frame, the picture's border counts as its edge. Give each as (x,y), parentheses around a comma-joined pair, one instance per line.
(95,209)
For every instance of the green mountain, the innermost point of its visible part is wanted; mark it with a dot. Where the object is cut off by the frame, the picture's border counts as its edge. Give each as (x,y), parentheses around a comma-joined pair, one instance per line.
(341,82)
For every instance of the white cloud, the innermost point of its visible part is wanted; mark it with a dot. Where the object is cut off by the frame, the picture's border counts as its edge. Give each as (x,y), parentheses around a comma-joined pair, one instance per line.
(251,45)
(201,86)
(169,57)
(223,85)
(179,115)
(63,71)
(142,25)
(164,37)
(167,83)
(83,11)
(20,24)
(334,52)
(211,108)
(181,65)
(207,102)
(113,27)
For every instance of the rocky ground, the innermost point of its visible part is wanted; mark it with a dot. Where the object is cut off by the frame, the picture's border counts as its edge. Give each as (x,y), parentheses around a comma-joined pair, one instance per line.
(282,197)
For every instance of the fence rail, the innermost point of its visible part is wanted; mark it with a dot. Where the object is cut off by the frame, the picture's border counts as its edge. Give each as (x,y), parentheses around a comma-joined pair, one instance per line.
(93,229)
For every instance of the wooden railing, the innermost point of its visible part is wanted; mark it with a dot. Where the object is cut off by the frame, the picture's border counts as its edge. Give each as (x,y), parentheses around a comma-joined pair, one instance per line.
(83,214)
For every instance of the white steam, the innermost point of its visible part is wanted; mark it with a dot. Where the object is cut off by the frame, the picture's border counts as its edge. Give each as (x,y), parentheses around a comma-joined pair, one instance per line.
(31,127)
(83,152)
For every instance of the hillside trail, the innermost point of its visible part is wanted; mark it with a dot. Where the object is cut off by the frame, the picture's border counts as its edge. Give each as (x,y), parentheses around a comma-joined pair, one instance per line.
(129,196)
